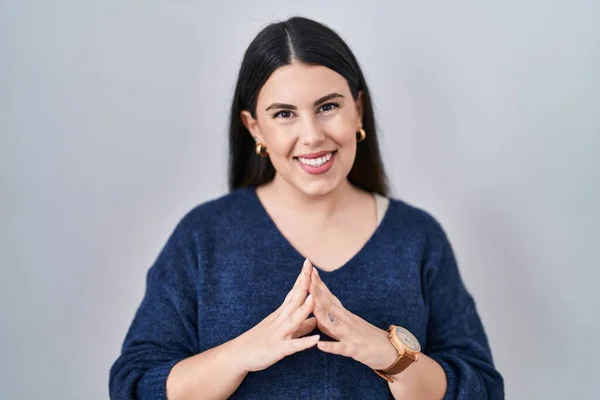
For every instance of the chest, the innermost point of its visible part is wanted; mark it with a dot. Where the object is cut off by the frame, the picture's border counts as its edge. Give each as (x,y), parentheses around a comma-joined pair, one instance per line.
(239,288)
(328,245)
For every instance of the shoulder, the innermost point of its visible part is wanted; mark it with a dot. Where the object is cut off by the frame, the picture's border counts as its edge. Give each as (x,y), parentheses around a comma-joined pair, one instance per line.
(412,226)
(199,230)
(414,218)
(419,230)
(226,210)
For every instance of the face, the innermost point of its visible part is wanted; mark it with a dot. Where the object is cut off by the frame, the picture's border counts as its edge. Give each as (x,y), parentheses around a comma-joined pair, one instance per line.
(307,119)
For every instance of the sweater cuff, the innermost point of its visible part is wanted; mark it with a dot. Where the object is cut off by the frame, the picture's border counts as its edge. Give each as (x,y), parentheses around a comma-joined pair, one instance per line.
(451,392)
(153,385)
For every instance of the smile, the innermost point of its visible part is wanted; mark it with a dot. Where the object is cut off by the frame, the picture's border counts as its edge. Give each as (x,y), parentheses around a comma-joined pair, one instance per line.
(316,161)
(318,165)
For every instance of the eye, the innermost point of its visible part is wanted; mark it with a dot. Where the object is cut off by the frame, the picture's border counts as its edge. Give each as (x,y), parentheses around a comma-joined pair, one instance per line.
(283,114)
(329,107)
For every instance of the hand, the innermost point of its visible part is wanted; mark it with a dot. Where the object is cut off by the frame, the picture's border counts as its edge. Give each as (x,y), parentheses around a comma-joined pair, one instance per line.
(280,333)
(356,338)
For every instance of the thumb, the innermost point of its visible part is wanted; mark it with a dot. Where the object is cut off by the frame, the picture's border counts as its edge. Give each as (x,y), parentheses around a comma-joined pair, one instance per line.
(306,327)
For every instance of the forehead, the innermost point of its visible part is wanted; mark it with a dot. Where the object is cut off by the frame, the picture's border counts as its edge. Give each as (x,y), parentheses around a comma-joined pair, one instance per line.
(298,83)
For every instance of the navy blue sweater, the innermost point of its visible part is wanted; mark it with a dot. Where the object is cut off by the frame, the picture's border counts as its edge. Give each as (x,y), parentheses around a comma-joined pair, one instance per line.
(226,266)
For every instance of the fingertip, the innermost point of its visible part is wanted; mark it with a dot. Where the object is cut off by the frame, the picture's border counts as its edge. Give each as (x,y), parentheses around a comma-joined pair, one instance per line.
(309,341)
(307,264)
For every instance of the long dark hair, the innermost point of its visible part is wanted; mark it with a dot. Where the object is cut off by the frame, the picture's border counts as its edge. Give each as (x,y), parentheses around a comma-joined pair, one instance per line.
(309,42)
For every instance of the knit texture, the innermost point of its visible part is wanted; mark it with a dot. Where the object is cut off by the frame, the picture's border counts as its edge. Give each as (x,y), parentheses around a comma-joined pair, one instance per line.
(226,266)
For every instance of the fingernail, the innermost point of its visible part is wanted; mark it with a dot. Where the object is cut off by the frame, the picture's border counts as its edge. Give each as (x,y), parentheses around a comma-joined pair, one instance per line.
(308,298)
(315,337)
(305,266)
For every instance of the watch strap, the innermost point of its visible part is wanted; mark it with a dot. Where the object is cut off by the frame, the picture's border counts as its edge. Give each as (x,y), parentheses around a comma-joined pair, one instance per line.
(402,362)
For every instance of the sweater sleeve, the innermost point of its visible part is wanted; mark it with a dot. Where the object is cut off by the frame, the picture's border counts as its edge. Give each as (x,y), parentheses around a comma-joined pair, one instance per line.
(164,328)
(456,338)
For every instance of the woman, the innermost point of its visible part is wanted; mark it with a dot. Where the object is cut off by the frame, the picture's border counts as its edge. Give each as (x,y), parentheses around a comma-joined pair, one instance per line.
(306,280)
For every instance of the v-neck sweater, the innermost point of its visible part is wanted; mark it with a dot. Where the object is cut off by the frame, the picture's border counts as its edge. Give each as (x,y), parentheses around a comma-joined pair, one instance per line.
(226,266)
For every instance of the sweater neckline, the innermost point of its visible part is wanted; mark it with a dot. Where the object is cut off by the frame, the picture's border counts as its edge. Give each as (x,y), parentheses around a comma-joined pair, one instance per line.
(347,266)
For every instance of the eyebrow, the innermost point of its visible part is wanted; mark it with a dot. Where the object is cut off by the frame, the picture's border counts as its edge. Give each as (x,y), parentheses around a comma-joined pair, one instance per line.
(316,103)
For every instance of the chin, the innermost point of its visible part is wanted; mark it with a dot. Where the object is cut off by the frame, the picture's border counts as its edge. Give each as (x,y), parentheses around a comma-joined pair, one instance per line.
(317,188)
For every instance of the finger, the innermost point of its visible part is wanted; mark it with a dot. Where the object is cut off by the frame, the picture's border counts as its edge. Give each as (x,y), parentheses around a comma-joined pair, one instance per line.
(316,286)
(298,293)
(338,348)
(289,295)
(306,327)
(301,284)
(318,283)
(292,346)
(322,298)
(277,312)
(304,271)
(298,277)
(293,322)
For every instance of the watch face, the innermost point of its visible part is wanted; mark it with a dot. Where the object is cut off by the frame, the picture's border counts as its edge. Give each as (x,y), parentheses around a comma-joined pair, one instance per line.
(408,339)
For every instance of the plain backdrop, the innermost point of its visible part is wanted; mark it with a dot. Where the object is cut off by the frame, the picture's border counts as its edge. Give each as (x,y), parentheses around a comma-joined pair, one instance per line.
(113,119)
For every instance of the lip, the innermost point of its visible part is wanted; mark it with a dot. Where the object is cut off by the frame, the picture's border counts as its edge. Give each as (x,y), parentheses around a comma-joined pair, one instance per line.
(315,155)
(318,170)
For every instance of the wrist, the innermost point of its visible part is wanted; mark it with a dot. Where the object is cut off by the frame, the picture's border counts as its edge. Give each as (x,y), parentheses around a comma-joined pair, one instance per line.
(231,355)
(408,349)
(387,353)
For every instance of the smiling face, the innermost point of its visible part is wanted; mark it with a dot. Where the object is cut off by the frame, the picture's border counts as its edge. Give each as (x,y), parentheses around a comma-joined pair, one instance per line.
(307,119)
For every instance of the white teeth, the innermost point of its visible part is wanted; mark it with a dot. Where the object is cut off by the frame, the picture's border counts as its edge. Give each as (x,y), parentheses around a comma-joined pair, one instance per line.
(315,162)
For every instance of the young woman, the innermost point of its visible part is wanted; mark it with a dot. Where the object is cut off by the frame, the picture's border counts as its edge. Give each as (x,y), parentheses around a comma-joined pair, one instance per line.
(306,280)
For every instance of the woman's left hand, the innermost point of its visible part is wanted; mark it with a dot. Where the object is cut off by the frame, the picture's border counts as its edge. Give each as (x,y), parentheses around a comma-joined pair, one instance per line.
(356,338)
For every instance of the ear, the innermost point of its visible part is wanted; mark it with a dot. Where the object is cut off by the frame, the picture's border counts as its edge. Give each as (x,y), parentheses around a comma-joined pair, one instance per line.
(251,125)
(359,107)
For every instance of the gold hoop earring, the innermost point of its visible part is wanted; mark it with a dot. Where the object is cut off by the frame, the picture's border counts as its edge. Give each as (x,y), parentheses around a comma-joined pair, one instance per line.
(363,135)
(261,150)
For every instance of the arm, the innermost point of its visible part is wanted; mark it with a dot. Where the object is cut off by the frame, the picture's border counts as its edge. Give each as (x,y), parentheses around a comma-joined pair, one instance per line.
(371,346)
(456,362)
(424,379)
(209,375)
(160,352)
(456,339)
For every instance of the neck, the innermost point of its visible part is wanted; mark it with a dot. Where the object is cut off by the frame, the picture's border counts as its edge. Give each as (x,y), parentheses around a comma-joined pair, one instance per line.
(322,207)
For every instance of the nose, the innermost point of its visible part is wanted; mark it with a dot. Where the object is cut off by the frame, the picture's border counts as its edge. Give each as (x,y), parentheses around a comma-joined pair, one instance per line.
(312,133)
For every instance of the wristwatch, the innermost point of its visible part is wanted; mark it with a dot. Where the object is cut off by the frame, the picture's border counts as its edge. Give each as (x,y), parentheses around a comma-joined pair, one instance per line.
(408,351)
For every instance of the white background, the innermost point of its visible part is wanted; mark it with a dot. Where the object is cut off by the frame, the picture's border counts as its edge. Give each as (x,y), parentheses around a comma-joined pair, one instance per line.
(113,120)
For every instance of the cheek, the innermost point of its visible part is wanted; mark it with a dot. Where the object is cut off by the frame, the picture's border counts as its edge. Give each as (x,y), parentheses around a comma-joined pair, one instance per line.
(279,142)
(341,128)
(342,132)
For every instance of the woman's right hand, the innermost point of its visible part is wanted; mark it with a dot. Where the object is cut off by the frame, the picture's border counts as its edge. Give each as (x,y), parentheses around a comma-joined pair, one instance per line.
(280,333)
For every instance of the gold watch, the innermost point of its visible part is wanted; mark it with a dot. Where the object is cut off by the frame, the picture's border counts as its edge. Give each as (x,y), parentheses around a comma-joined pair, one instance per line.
(408,351)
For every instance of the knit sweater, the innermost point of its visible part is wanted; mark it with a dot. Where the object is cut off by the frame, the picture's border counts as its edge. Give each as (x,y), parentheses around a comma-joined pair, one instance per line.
(226,266)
